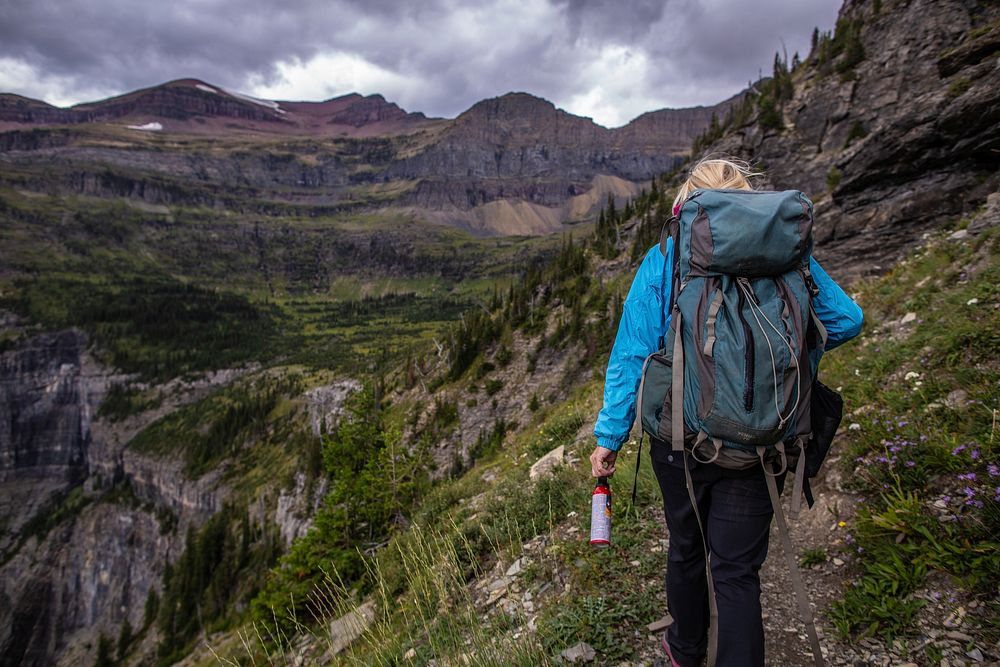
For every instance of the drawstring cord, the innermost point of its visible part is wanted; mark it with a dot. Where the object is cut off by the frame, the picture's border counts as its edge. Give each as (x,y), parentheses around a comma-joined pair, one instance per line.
(754,309)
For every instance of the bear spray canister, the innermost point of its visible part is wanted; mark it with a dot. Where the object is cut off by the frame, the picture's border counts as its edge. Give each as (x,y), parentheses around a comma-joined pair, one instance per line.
(600,514)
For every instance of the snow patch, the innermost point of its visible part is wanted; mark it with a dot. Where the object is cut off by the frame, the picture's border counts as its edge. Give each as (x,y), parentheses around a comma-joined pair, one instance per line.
(207,89)
(270,104)
(155,127)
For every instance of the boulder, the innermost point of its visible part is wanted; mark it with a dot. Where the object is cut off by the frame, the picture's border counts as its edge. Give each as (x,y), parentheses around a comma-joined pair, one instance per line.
(544,466)
(350,626)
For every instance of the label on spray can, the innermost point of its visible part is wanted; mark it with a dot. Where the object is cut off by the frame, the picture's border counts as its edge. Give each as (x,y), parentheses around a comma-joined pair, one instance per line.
(600,514)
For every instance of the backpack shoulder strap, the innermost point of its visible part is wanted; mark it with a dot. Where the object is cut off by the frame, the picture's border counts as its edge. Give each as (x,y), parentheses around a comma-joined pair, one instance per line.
(670,230)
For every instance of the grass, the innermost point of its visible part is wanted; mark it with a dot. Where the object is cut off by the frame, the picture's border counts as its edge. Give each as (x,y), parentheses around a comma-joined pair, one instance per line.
(422,583)
(923,448)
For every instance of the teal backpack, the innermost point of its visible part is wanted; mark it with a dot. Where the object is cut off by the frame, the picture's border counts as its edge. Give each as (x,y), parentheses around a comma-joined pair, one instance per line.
(732,381)
(733,378)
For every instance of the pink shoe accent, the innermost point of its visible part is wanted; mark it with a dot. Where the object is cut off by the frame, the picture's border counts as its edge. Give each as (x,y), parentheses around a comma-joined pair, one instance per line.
(666,647)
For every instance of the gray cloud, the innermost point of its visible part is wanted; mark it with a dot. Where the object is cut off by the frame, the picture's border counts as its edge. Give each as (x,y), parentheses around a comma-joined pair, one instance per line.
(609,58)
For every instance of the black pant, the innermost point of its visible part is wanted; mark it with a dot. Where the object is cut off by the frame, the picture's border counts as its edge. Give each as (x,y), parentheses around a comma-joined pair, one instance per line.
(736,515)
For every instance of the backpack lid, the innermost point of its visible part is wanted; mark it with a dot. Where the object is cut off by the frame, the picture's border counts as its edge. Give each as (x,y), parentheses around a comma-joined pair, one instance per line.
(744,232)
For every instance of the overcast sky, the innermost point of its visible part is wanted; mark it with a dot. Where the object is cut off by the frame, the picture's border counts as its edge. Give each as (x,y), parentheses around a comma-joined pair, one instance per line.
(608,59)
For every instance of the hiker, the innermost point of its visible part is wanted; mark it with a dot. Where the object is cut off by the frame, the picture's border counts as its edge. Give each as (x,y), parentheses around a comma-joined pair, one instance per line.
(734,506)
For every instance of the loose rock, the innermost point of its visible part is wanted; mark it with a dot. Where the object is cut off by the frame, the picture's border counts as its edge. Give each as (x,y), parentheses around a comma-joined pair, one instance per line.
(582,652)
(545,466)
(662,624)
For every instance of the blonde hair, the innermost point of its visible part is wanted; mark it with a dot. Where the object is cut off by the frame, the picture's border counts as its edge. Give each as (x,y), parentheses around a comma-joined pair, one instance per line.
(717,173)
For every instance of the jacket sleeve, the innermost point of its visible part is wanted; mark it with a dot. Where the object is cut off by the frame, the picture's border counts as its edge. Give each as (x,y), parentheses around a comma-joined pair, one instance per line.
(837,311)
(643,323)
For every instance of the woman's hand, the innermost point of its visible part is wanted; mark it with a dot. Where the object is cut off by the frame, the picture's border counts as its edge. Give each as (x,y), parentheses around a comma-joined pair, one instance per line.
(602,462)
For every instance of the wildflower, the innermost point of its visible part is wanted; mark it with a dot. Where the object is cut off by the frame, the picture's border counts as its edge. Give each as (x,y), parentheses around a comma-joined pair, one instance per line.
(958,450)
(994,470)
(969,492)
(911,464)
(849,538)
(974,454)
(974,503)
(923,438)
(968,476)
(841,523)
(997,497)
(947,499)
(902,423)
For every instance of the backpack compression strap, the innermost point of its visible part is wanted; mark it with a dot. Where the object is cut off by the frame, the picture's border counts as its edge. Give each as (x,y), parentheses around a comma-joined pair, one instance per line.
(801,596)
(713,607)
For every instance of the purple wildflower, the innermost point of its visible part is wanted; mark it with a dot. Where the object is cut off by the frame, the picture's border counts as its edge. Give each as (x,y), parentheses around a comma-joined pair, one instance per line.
(969,492)
(911,464)
(994,470)
(968,476)
(958,450)
(974,454)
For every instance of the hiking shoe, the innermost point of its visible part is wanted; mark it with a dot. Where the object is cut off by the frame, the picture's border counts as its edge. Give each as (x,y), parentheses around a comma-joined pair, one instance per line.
(666,648)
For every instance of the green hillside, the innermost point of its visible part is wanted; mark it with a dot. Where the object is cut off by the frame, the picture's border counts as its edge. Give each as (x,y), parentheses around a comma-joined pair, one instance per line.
(920,465)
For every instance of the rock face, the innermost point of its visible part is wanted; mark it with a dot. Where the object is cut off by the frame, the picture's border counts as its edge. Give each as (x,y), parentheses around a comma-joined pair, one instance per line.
(88,524)
(46,406)
(83,540)
(85,577)
(908,137)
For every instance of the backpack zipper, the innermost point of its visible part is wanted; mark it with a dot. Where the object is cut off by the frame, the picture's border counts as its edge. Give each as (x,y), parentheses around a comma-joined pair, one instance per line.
(749,353)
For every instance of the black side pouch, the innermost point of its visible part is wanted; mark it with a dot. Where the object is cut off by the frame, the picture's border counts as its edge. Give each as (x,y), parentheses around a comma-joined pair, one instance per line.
(826,414)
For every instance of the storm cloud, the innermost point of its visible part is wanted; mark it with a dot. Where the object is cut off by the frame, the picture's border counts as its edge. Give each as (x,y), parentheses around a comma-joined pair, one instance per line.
(608,59)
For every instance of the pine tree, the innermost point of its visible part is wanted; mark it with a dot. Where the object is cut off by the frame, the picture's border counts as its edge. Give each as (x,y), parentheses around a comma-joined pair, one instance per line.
(124,640)
(104,658)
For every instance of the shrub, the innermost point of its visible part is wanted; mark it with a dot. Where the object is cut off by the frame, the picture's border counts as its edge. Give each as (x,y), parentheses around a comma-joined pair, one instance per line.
(833,178)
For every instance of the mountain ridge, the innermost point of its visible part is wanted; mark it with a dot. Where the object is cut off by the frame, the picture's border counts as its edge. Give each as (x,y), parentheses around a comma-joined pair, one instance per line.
(16,108)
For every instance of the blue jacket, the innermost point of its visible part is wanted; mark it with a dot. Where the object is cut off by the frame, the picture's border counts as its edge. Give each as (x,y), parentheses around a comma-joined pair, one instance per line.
(642,325)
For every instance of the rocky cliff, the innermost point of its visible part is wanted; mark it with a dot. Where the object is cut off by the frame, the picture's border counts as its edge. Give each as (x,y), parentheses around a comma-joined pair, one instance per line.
(89,523)
(893,137)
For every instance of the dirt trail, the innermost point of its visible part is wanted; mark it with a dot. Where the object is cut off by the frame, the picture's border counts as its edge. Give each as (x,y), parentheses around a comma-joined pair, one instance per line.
(946,624)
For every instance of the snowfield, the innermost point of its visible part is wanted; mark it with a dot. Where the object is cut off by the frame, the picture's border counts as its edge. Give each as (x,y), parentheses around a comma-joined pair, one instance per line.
(270,104)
